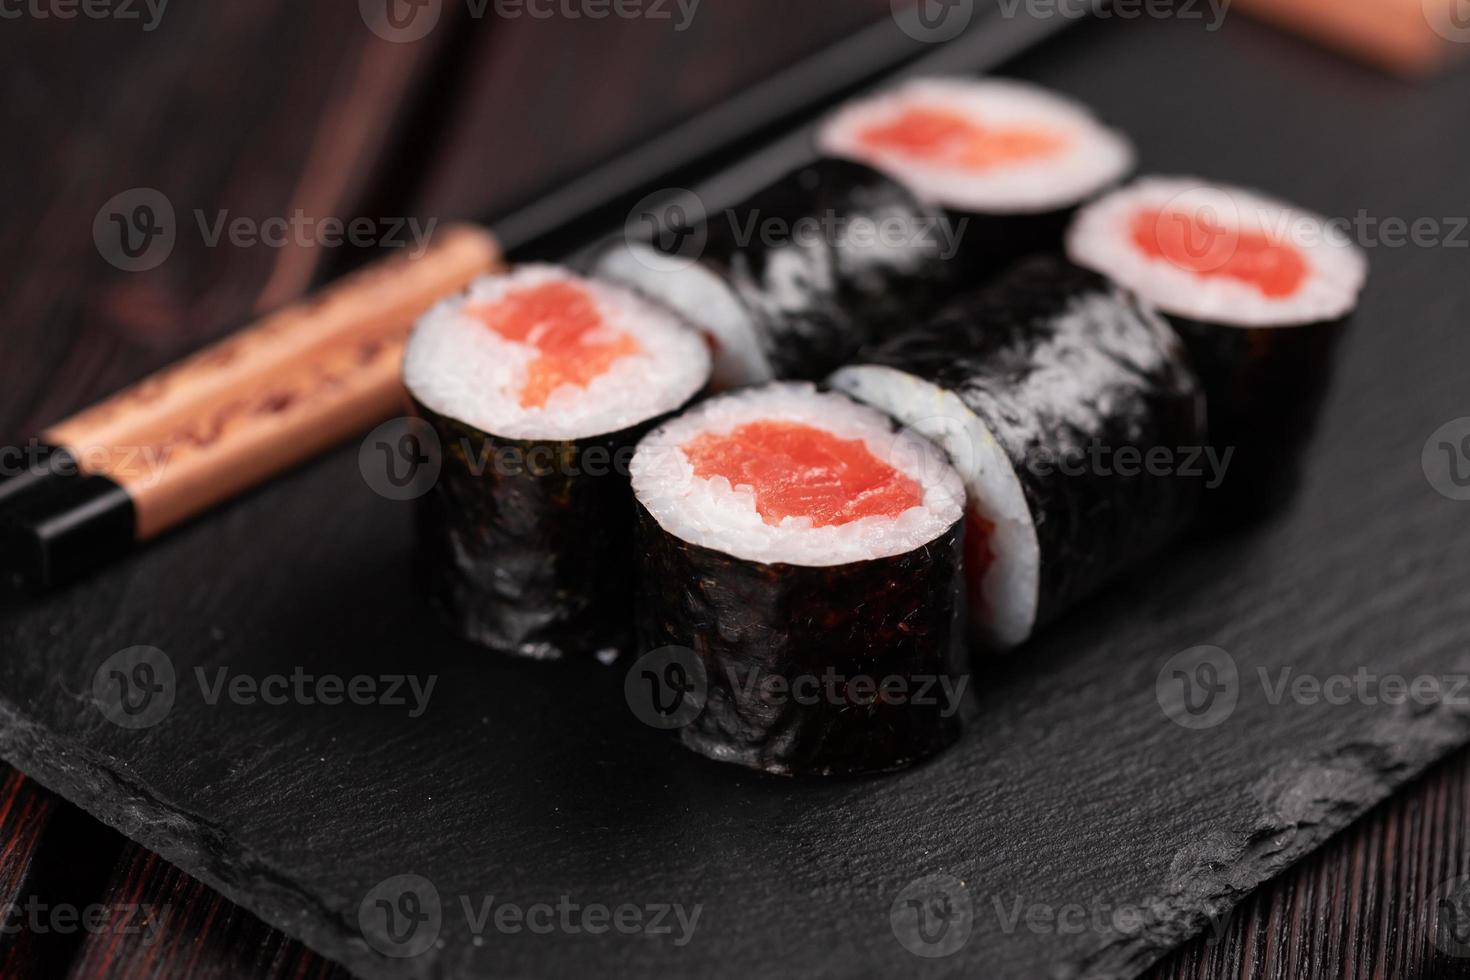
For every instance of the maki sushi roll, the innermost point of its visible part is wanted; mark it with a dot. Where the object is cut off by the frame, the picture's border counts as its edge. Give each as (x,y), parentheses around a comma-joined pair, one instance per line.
(538,385)
(1009,162)
(1070,411)
(1260,292)
(791,282)
(808,551)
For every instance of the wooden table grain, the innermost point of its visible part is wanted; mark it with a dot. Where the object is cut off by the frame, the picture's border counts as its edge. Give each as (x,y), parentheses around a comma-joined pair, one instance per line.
(278,106)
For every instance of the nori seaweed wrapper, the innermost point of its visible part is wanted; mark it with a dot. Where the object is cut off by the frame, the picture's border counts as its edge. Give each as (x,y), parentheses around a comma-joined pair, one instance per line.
(820,262)
(896,617)
(1056,360)
(525,545)
(990,243)
(1265,387)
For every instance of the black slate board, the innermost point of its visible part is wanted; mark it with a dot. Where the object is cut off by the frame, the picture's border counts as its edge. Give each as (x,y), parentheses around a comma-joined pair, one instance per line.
(1072,790)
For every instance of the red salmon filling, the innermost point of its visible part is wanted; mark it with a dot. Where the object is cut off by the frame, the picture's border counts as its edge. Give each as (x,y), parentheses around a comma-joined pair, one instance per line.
(1207,248)
(948,138)
(562,322)
(798,470)
(978,554)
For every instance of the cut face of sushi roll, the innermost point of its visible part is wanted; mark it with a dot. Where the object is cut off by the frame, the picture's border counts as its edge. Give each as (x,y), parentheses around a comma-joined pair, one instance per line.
(1070,412)
(1014,159)
(1259,291)
(791,282)
(538,384)
(809,552)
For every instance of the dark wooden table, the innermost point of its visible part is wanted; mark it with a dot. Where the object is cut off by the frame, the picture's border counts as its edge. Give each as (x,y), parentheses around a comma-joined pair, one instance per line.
(277,105)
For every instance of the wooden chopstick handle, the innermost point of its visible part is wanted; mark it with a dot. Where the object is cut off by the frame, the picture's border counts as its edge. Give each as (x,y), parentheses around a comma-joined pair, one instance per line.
(272,394)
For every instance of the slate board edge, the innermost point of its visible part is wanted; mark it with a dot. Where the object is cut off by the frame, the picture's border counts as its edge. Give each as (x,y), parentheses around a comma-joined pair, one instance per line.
(187,841)
(1299,808)
(1401,749)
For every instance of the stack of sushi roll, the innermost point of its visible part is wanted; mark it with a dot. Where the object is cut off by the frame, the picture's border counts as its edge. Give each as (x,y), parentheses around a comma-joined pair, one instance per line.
(1260,292)
(794,536)
(791,282)
(922,190)
(1008,162)
(1041,387)
(538,385)
(997,435)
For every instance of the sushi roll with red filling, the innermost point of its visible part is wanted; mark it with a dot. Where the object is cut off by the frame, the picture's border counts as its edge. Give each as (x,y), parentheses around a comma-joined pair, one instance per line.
(1069,409)
(791,282)
(1260,292)
(539,384)
(808,551)
(1009,162)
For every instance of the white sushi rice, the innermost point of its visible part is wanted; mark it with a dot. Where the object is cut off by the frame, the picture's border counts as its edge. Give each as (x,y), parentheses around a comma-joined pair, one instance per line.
(1101,238)
(461,368)
(1091,158)
(1004,601)
(700,296)
(714,514)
